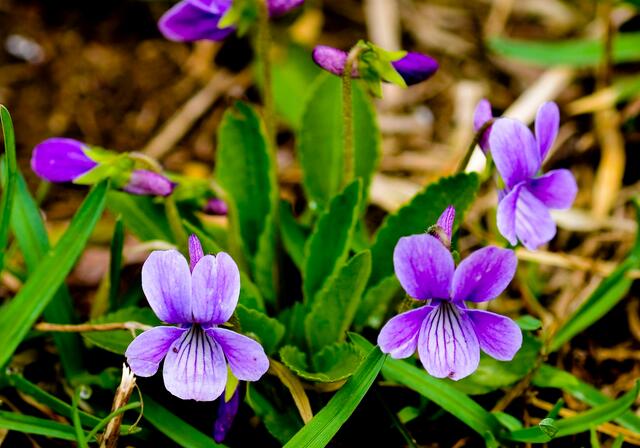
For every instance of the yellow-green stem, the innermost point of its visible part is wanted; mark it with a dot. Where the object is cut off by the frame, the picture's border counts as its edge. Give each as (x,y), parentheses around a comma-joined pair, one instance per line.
(263,48)
(347,117)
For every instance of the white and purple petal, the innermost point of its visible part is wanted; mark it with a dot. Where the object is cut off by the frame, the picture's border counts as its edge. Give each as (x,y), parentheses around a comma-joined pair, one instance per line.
(415,67)
(481,115)
(484,274)
(215,289)
(192,20)
(195,368)
(399,336)
(61,160)
(445,222)
(514,150)
(499,336)
(246,357)
(547,125)
(423,266)
(166,282)
(520,212)
(195,251)
(506,216)
(557,189)
(147,350)
(447,344)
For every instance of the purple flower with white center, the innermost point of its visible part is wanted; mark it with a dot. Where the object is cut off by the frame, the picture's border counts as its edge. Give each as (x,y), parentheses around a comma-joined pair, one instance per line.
(523,211)
(414,67)
(447,334)
(227,411)
(198,298)
(145,182)
(481,115)
(61,160)
(192,20)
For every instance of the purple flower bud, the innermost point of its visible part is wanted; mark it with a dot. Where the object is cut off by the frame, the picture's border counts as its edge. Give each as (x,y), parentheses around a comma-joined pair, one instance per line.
(227,411)
(481,115)
(144,182)
(195,251)
(414,67)
(443,230)
(280,7)
(61,160)
(216,206)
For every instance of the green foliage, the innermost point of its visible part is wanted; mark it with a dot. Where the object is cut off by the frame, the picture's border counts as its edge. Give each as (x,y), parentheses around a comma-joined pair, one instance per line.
(267,330)
(142,215)
(326,423)
(334,307)
(321,140)
(328,246)
(293,319)
(376,301)
(10,173)
(281,424)
(416,217)
(294,235)
(115,262)
(34,425)
(331,363)
(117,341)
(246,171)
(24,309)
(571,52)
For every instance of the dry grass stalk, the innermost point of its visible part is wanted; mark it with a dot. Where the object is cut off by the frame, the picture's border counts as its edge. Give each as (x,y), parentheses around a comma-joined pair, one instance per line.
(121,398)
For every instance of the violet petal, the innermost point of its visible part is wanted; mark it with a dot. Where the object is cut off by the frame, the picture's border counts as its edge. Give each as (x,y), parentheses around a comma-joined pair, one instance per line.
(534,225)
(557,189)
(423,266)
(481,115)
(331,59)
(246,357)
(148,183)
(195,251)
(415,67)
(280,7)
(216,206)
(447,344)
(215,288)
(194,368)
(514,150)
(506,216)
(166,282)
(445,222)
(191,20)
(147,350)
(61,160)
(499,336)
(399,336)
(547,124)
(484,274)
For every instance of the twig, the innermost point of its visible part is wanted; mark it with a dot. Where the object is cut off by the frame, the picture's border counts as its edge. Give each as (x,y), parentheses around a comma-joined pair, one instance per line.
(294,385)
(83,328)
(123,394)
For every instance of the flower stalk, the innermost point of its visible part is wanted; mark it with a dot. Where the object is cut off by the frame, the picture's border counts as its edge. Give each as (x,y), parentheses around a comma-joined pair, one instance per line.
(347,115)
(263,48)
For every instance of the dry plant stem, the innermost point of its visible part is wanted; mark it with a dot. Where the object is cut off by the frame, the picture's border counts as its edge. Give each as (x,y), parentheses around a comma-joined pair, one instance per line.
(82,328)
(347,116)
(605,428)
(476,139)
(263,47)
(181,122)
(121,398)
(294,385)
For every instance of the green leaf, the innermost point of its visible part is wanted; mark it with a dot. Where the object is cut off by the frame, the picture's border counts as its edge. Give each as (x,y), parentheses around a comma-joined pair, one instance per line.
(415,217)
(267,330)
(174,427)
(328,246)
(117,341)
(493,374)
(141,214)
(571,52)
(335,306)
(293,319)
(294,235)
(326,423)
(608,293)
(34,425)
(375,302)
(24,309)
(332,363)
(439,391)
(245,169)
(281,424)
(9,181)
(115,262)
(529,323)
(578,423)
(31,235)
(320,146)
(548,376)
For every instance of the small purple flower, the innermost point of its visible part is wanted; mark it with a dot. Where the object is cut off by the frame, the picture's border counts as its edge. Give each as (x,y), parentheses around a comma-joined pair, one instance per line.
(447,334)
(443,230)
(61,160)
(227,411)
(216,206)
(481,115)
(144,182)
(191,20)
(414,67)
(198,301)
(523,211)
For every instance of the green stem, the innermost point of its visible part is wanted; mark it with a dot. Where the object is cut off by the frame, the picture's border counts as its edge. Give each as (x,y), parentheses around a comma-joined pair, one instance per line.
(263,47)
(476,140)
(175,222)
(75,417)
(347,116)
(105,421)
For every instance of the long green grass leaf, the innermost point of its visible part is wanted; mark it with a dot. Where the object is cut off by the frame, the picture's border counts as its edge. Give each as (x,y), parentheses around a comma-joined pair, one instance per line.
(9,177)
(34,425)
(25,308)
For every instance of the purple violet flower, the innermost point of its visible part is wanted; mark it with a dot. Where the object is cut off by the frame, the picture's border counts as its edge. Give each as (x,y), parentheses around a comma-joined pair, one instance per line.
(523,210)
(145,182)
(191,20)
(227,411)
(61,160)
(481,115)
(198,301)
(414,67)
(216,206)
(447,334)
